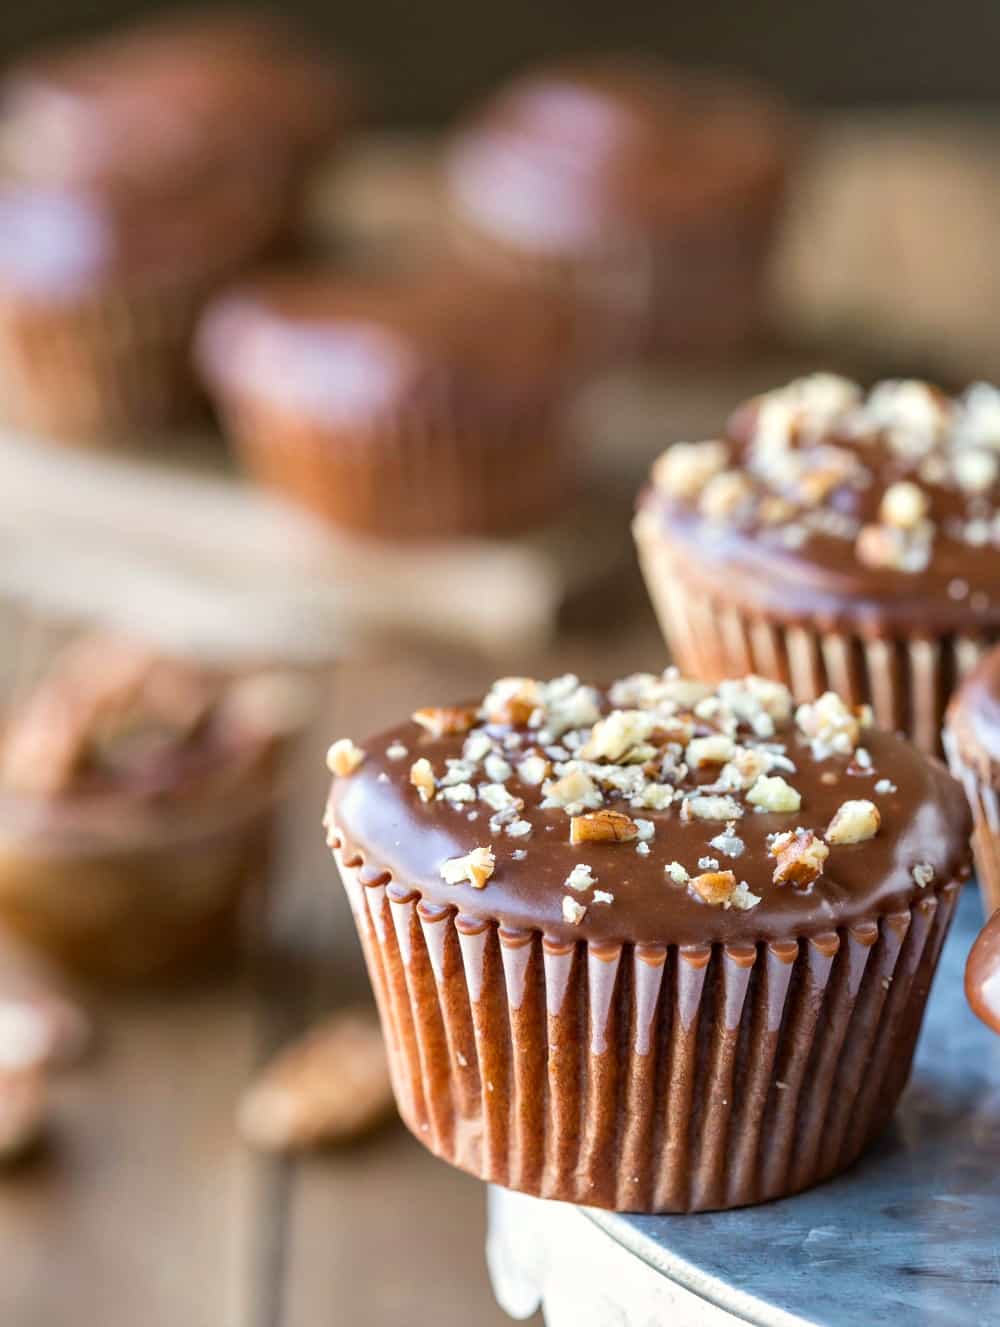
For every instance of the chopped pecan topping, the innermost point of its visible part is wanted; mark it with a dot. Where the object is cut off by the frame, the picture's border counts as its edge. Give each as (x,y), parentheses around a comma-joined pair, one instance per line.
(854,822)
(773,793)
(573,911)
(512,700)
(476,867)
(715,887)
(344,758)
(800,857)
(603,827)
(422,778)
(685,468)
(904,505)
(445,720)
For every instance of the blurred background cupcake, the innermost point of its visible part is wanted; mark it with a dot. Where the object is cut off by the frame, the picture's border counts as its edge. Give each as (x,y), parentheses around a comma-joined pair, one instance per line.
(138,172)
(137,803)
(651,194)
(428,405)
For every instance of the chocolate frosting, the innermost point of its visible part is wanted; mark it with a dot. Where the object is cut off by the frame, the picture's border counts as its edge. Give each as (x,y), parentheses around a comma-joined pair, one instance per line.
(563,155)
(59,243)
(175,147)
(806,566)
(377,817)
(982,975)
(974,718)
(344,348)
(167,100)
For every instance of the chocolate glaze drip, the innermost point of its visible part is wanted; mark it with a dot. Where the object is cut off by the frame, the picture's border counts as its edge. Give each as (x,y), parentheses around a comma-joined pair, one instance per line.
(378,817)
(465,349)
(574,151)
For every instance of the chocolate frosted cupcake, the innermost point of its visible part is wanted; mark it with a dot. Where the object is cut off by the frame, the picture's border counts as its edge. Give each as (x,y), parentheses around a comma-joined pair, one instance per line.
(129,190)
(972,745)
(834,539)
(399,407)
(137,799)
(982,975)
(650,194)
(660,948)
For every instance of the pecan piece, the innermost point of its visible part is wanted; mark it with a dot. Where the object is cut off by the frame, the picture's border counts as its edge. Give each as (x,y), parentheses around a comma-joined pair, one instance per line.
(329,1087)
(715,887)
(800,857)
(445,720)
(603,827)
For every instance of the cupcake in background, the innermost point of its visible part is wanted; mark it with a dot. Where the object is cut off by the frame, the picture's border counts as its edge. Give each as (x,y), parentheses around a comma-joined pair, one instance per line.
(972,745)
(137,804)
(650,194)
(138,172)
(834,539)
(402,407)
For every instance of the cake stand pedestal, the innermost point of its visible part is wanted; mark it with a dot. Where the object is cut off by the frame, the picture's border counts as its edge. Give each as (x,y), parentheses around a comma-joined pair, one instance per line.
(909,1237)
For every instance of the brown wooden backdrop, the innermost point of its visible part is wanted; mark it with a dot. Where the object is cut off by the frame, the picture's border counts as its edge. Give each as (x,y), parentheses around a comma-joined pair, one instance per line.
(427,57)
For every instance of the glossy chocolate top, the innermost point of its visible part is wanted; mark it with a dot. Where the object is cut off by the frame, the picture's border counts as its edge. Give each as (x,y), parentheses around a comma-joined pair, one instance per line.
(163,103)
(821,502)
(982,974)
(561,155)
(344,348)
(974,719)
(653,812)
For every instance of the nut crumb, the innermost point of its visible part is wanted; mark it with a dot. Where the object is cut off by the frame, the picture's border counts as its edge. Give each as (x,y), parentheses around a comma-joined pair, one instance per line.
(923,874)
(773,793)
(422,778)
(573,911)
(800,857)
(343,758)
(476,867)
(580,878)
(715,887)
(854,822)
(445,720)
(603,827)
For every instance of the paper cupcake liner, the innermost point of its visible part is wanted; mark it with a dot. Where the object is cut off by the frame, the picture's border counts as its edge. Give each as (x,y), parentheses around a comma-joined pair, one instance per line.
(432,470)
(984,802)
(907,680)
(644,1077)
(98,367)
(148,907)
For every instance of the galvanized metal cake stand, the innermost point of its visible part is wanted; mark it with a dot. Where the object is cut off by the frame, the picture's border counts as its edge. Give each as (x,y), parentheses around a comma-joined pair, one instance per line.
(910,1237)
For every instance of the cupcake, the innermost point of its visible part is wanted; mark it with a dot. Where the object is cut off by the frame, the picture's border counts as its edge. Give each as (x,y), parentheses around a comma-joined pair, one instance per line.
(129,191)
(982,975)
(660,948)
(414,406)
(137,801)
(972,745)
(650,194)
(832,539)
